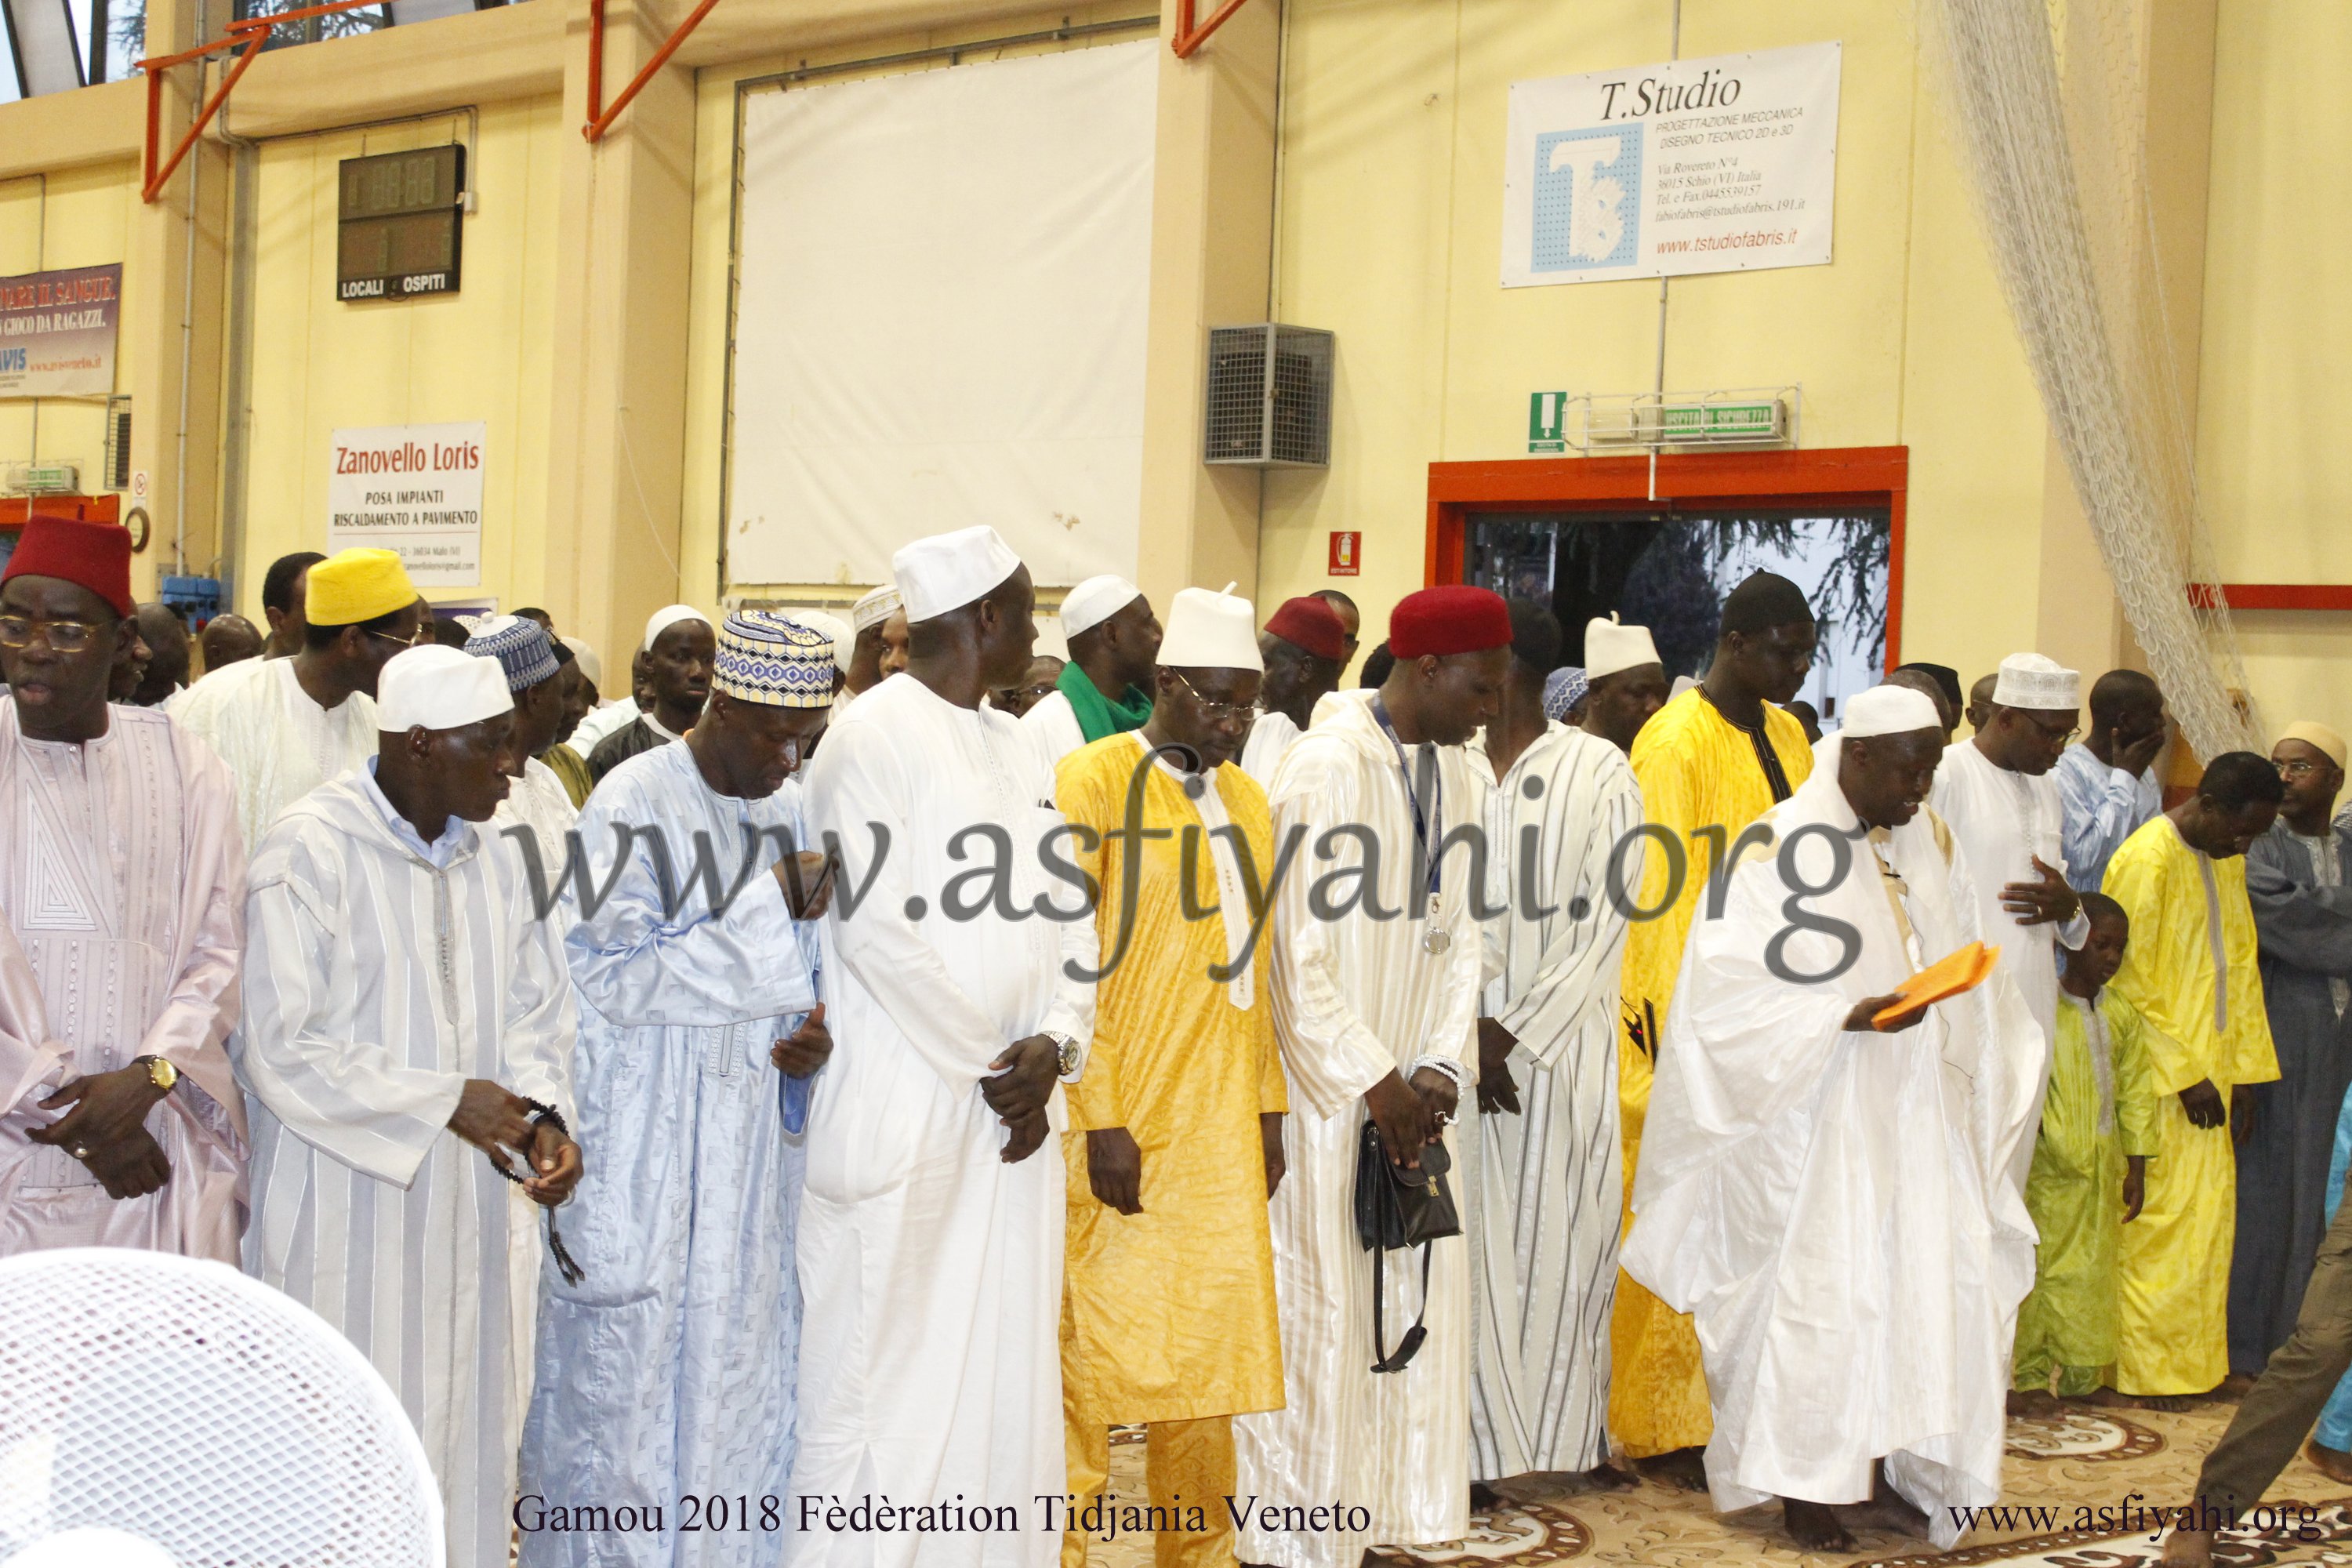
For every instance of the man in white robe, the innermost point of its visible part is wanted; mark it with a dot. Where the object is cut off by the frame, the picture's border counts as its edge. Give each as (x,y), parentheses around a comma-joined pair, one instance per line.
(407,1021)
(878,649)
(1824,1192)
(1303,648)
(285,726)
(1104,688)
(1376,1018)
(1994,792)
(669,1368)
(536,799)
(931,1229)
(122,921)
(1542,1181)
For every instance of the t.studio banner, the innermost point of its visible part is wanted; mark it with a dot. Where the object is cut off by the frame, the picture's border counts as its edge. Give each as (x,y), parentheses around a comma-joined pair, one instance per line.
(414,489)
(1702,165)
(57,331)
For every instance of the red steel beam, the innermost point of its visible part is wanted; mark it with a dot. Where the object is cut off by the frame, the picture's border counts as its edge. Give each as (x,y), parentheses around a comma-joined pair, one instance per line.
(1190,38)
(600,119)
(248,34)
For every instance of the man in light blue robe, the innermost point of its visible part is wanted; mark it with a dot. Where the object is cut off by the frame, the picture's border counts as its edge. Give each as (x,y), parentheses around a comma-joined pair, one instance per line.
(665,1372)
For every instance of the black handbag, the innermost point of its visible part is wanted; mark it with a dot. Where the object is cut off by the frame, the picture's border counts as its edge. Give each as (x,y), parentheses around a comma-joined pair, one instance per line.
(1398,1208)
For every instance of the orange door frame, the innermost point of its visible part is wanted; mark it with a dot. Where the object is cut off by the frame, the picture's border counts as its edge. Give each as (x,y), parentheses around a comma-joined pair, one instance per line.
(1832,479)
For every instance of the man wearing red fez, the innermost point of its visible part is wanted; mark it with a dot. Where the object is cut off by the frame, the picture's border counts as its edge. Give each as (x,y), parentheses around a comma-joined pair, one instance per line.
(1376,975)
(123,878)
(1304,647)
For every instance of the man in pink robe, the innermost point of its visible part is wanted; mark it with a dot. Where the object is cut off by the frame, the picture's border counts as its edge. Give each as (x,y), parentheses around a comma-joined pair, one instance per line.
(121,900)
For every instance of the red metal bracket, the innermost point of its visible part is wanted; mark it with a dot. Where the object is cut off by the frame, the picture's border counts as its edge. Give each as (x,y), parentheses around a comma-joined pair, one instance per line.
(600,117)
(249,37)
(1190,38)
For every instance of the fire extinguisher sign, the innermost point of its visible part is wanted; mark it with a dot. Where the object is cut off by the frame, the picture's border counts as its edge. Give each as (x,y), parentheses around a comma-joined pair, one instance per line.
(1347,554)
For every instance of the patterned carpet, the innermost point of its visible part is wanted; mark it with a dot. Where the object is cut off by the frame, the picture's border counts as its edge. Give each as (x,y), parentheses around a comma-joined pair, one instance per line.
(2080,1459)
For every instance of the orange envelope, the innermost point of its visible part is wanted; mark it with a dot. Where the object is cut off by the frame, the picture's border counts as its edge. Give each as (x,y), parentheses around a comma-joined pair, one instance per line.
(1961,970)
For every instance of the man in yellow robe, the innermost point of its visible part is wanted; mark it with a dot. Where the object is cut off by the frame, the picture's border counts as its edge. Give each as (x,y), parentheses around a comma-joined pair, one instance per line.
(1175,1140)
(2191,973)
(1709,763)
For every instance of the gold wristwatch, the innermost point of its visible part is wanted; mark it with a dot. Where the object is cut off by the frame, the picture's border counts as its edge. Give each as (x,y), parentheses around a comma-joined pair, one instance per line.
(160,1072)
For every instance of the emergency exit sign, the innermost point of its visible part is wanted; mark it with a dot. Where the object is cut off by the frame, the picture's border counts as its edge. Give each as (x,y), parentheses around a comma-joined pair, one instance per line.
(1547,420)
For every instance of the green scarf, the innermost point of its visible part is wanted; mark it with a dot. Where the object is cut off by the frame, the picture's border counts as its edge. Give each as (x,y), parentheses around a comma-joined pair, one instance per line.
(1098,715)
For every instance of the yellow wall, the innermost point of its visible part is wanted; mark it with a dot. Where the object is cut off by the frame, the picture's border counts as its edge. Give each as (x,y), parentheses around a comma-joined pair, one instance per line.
(481,352)
(1388,228)
(73,217)
(2275,473)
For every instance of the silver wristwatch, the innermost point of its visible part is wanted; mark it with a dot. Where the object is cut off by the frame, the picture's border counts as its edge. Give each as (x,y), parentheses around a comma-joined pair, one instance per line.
(1067,1054)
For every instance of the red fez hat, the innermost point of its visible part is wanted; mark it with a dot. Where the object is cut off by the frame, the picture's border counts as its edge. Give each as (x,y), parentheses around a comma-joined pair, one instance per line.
(1312,623)
(96,555)
(1454,618)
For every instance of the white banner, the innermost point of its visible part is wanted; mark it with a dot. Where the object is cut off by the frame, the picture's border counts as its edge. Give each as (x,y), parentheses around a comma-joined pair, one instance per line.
(942,299)
(1711,165)
(415,489)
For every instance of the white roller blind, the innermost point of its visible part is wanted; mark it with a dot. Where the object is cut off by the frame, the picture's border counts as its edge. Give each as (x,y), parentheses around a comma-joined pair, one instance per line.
(941,316)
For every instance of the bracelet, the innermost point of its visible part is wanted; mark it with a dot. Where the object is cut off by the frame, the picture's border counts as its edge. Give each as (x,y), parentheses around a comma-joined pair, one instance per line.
(545,1115)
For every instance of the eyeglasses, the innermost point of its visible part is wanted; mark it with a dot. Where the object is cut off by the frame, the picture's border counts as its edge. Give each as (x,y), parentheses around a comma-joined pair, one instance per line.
(1242,713)
(2053,737)
(2299,767)
(65,636)
(422,635)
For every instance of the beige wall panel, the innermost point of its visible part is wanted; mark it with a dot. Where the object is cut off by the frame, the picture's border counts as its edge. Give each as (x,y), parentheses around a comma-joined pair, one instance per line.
(482,353)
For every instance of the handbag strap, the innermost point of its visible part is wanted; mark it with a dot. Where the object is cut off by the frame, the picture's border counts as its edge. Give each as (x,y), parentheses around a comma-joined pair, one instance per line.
(1409,1346)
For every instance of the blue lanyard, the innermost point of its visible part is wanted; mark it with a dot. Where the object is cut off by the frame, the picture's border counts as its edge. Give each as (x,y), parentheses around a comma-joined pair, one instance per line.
(1421,831)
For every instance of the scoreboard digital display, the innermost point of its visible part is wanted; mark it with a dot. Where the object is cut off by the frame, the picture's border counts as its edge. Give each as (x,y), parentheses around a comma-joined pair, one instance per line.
(399,229)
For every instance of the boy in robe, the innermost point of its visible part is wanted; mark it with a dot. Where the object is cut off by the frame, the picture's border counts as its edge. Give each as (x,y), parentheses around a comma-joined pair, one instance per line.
(2089,1176)
(1175,1140)
(2192,973)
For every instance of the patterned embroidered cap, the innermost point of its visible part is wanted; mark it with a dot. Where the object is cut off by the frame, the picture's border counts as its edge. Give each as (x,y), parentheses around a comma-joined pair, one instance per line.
(521,647)
(1563,689)
(773,660)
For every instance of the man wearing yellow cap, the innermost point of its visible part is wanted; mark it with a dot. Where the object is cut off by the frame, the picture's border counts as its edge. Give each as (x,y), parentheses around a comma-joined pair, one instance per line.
(2303,927)
(285,726)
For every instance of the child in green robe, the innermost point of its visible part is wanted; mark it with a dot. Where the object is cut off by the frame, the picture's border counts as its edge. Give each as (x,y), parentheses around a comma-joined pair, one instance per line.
(2090,1169)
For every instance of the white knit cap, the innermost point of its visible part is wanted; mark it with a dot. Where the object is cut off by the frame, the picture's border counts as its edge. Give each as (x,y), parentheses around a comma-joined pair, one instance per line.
(662,620)
(1610,647)
(1211,631)
(948,570)
(1095,601)
(874,608)
(2033,680)
(585,657)
(440,689)
(834,627)
(1889,710)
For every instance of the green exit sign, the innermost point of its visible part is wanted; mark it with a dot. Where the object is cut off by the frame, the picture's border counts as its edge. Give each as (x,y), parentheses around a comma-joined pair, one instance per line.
(1680,421)
(1547,417)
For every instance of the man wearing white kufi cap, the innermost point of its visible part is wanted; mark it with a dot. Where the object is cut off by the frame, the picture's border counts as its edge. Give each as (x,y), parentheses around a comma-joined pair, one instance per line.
(1175,1140)
(1104,689)
(403,1000)
(669,1368)
(1542,1177)
(1824,1191)
(1995,793)
(668,680)
(1625,682)
(878,628)
(929,1249)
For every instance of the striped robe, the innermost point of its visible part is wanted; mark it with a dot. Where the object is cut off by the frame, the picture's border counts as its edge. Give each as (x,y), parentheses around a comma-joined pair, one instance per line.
(1355,999)
(1543,1191)
(376,982)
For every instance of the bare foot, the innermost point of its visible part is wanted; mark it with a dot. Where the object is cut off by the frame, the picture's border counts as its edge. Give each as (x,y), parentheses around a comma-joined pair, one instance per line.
(1605,1476)
(1484,1499)
(2188,1549)
(2106,1399)
(2235,1385)
(1887,1509)
(2031,1402)
(2167,1404)
(1814,1527)
(1684,1469)
(2333,1463)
